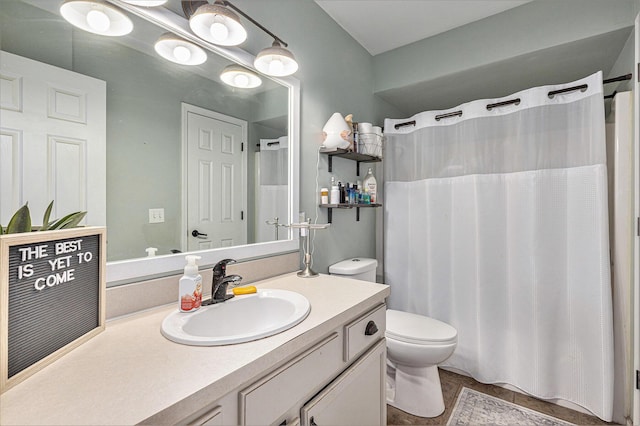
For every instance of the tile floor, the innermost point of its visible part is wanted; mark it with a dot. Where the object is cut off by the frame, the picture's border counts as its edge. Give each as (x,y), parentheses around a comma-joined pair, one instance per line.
(452,385)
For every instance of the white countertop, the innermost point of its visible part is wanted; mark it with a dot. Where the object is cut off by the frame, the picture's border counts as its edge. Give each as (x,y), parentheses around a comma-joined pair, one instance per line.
(130,372)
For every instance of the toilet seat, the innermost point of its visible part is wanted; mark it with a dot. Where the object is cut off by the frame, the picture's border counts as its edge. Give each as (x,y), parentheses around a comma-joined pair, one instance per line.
(418,329)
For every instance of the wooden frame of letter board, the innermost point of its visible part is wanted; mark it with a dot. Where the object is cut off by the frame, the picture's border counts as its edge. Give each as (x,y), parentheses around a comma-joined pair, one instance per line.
(10,240)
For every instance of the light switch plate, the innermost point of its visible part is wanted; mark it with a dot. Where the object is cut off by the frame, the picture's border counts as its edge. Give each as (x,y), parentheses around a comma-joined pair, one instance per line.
(156,215)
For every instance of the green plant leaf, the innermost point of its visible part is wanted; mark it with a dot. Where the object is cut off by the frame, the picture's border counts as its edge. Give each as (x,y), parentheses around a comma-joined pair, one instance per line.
(20,221)
(69,221)
(45,219)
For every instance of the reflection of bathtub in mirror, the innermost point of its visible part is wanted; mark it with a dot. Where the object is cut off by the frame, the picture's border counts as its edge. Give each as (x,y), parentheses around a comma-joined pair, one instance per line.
(143,120)
(271,189)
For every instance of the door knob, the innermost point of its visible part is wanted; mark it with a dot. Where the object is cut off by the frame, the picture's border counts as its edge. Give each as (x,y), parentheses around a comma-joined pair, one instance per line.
(198,234)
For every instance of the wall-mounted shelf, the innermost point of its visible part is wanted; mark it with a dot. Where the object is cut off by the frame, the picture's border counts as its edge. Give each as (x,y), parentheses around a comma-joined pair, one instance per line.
(350,155)
(330,208)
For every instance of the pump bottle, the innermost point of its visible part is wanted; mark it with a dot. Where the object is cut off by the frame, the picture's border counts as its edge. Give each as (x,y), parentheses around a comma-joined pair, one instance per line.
(190,286)
(371,186)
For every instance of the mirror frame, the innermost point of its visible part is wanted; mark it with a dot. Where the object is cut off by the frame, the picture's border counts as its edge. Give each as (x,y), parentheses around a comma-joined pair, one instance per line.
(140,269)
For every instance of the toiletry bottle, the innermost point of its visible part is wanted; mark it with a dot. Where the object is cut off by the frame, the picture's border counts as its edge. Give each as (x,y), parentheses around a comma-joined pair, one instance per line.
(342,193)
(335,195)
(190,286)
(324,196)
(370,186)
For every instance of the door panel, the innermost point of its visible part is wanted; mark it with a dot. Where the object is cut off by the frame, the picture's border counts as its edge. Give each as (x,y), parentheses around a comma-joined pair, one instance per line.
(356,397)
(53,140)
(216,179)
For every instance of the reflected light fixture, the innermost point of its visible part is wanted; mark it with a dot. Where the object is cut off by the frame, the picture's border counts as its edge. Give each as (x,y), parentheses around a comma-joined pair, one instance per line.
(179,50)
(237,76)
(96,16)
(146,3)
(276,61)
(218,25)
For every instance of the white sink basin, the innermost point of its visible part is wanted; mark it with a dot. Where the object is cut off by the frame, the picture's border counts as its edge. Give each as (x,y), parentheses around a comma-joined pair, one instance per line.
(241,319)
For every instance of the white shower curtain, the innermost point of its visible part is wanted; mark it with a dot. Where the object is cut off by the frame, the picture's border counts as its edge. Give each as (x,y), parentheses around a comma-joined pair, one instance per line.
(272,198)
(496,222)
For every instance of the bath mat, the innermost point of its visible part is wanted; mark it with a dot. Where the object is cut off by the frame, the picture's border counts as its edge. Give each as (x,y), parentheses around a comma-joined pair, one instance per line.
(476,408)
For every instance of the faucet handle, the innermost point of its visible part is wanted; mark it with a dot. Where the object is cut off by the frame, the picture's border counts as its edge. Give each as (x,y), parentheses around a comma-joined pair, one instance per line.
(221,267)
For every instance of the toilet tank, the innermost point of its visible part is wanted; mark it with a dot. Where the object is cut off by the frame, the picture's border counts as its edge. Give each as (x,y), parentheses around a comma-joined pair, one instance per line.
(358,268)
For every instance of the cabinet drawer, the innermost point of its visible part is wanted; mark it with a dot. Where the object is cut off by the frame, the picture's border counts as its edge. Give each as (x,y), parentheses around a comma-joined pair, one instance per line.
(364,332)
(268,399)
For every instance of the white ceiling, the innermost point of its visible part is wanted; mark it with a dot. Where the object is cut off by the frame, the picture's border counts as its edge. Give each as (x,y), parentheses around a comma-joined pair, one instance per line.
(382,25)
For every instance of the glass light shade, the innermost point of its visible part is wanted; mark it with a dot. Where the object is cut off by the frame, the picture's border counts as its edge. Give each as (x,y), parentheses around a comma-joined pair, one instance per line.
(96,16)
(180,51)
(146,3)
(237,76)
(218,25)
(276,61)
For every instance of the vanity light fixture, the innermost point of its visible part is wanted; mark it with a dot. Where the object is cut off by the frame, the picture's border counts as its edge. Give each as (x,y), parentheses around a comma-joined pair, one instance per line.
(276,60)
(146,3)
(237,76)
(96,16)
(179,50)
(218,24)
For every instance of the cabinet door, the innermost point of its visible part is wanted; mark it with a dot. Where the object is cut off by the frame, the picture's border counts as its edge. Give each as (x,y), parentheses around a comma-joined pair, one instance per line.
(356,397)
(268,399)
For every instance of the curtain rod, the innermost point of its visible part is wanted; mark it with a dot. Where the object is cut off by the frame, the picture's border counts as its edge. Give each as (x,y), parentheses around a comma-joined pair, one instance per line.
(516,101)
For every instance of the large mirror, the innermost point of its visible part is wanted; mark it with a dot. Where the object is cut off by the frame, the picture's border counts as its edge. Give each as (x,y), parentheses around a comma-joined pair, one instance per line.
(162,198)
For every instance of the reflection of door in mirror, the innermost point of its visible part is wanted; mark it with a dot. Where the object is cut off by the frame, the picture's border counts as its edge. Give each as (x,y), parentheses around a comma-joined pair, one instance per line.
(271,189)
(215,179)
(52,144)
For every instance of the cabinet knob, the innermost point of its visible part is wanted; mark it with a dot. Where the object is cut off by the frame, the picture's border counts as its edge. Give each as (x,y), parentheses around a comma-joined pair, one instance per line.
(312,422)
(371,329)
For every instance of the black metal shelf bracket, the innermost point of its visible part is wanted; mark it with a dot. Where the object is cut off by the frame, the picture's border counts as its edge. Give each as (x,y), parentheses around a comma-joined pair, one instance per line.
(354,156)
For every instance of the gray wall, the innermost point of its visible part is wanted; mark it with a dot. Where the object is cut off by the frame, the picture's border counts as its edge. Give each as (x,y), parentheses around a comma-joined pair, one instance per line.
(539,43)
(336,74)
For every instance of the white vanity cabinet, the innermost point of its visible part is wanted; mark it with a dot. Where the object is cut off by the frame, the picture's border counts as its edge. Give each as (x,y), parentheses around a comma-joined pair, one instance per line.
(328,369)
(339,380)
(327,385)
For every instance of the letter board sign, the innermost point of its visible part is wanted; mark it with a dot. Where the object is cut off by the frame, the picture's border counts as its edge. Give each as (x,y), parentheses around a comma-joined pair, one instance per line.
(52,290)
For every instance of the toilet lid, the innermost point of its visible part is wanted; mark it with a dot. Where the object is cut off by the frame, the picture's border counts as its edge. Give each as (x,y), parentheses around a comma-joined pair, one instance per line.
(418,329)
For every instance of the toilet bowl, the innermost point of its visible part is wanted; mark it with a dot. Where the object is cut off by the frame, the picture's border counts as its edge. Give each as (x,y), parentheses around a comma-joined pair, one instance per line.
(415,346)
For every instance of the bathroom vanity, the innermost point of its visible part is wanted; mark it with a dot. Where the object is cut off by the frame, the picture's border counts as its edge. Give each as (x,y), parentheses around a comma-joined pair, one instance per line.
(330,368)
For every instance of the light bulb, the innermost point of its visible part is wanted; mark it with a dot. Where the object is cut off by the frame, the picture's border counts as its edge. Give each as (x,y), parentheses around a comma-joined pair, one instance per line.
(241,80)
(276,67)
(98,20)
(182,53)
(219,31)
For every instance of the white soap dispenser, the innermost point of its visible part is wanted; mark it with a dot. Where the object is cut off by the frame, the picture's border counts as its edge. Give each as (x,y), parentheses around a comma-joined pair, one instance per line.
(190,286)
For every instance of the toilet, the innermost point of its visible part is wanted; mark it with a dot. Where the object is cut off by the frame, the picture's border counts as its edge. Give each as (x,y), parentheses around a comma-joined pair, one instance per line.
(415,346)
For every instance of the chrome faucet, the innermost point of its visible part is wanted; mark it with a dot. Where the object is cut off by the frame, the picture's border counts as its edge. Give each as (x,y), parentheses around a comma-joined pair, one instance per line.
(221,281)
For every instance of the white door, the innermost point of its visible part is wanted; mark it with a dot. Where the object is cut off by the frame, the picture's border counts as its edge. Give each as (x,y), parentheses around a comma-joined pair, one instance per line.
(215,171)
(52,141)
